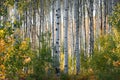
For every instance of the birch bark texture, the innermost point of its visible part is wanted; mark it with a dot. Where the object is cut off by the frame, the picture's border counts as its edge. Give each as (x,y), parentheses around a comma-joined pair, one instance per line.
(91,28)
(77,52)
(57,44)
(101,14)
(52,31)
(34,26)
(66,36)
(105,15)
(84,24)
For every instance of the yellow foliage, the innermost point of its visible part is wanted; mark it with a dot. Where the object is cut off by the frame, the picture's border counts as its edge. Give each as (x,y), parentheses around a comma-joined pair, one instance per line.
(90,70)
(2,72)
(116,63)
(117,40)
(2,77)
(10,40)
(27,60)
(5,48)
(7,23)
(106,56)
(2,32)
(2,67)
(116,35)
(2,49)
(2,45)
(62,61)
(23,45)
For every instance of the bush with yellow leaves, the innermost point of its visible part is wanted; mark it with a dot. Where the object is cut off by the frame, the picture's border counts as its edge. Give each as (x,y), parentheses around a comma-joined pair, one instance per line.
(105,62)
(2,50)
(15,54)
(2,72)
(18,58)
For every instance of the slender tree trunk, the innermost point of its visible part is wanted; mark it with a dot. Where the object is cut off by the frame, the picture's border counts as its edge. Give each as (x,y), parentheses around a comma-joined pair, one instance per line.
(105,10)
(101,7)
(72,33)
(42,16)
(77,52)
(34,26)
(88,28)
(80,24)
(26,25)
(110,13)
(16,19)
(91,28)
(57,52)
(66,36)
(85,44)
(97,5)
(15,10)
(30,21)
(53,30)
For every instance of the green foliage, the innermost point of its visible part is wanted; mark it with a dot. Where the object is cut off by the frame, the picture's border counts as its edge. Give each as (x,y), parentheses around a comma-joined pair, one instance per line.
(18,60)
(64,76)
(15,53)
(41,61)
(115,18)
(19,57)
(3,8)
(105,64)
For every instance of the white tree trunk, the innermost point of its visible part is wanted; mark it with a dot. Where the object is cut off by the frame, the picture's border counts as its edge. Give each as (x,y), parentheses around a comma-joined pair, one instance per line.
(97,8)
(84,22)
(34,26)
(105,15)
(77,52)
(91,28)
(101,14)
(57,52)
(72,33)
(66,36)
(110,6)
(53,30)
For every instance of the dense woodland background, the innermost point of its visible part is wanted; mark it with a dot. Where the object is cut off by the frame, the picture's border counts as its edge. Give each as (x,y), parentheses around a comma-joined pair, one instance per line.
(59,39)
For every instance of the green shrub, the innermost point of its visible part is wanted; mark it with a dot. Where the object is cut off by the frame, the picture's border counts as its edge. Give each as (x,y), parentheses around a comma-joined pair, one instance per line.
(15,53)
(106,62)
(42,61)
(115,18)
